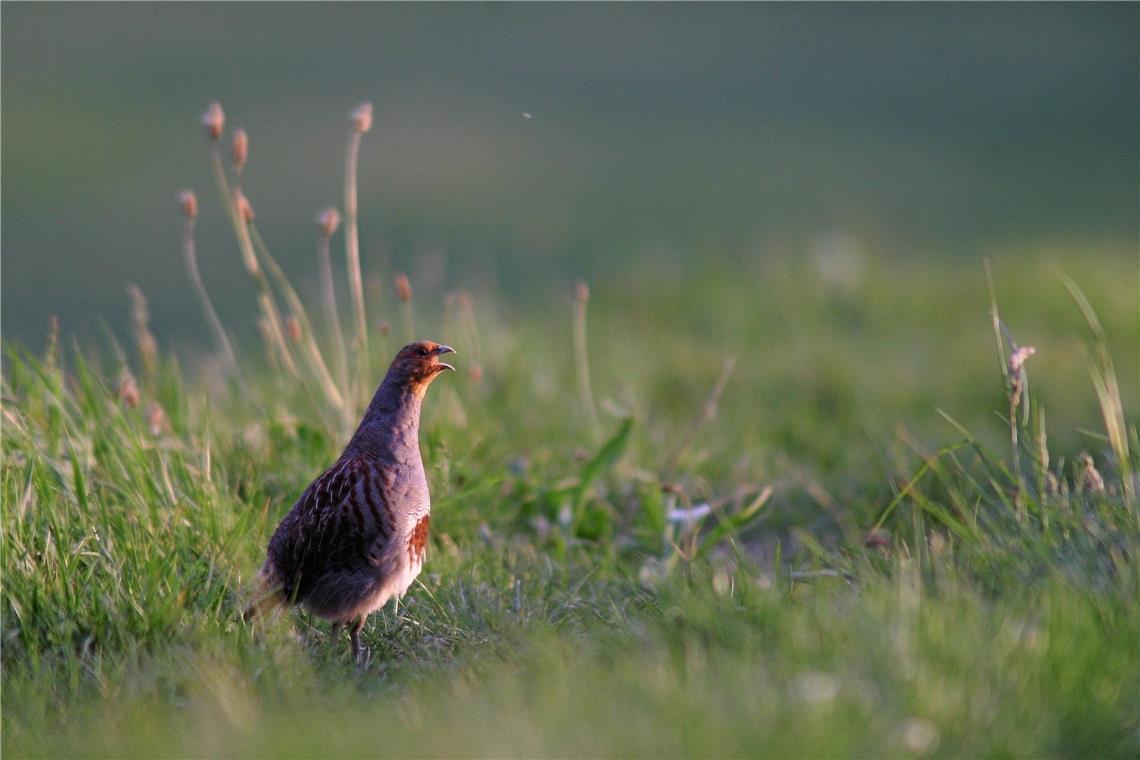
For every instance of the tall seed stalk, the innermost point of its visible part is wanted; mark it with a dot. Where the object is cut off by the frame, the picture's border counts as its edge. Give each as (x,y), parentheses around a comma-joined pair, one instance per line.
(241,213)
(328,221)
(305,337)
(361,123)
(189,254)
(1016,381)
(581,355)
(1103,375)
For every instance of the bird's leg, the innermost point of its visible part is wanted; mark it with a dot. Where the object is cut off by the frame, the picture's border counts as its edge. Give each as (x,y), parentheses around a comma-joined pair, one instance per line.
(360,653)
(334,633)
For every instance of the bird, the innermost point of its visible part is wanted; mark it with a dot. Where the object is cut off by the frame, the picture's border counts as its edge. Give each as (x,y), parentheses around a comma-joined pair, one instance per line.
(357,535)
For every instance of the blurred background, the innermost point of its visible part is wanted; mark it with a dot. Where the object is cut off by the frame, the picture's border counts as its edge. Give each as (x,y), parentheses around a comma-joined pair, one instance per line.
(517,146)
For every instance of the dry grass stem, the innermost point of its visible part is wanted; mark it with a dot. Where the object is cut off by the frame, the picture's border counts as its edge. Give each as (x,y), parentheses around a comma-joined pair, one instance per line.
(243,217)
(1016,383)
(240,212)
(708,413)
(362,122)
(144,339)
(1103,374)
(329,220)
(581,355)
(302,333)
(190,257)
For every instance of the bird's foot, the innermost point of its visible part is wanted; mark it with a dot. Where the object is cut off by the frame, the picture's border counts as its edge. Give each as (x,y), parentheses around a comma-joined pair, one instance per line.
(361,654)
(362,657)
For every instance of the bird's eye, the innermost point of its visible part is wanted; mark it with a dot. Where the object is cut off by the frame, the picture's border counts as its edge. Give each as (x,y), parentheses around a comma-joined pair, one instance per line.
(422,352)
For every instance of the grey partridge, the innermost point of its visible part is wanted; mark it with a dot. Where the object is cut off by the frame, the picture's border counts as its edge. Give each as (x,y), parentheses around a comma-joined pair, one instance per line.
(357,536)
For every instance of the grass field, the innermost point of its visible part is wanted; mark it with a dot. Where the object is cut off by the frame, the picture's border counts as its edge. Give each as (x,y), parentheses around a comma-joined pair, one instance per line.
(878,574)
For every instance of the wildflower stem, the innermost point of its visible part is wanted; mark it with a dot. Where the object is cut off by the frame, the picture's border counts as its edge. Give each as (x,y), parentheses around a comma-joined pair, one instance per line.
(708,412)
(328,294)
(581,355)
(352,254)
(316,360)
(275,331)
(189,254)
(1010,380)
(1107,392)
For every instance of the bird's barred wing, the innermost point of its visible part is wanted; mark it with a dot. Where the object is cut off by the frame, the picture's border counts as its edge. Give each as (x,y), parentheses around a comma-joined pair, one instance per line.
(342,521)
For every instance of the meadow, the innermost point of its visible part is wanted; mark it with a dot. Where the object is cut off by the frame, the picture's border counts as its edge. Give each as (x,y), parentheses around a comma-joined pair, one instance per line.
(810,502)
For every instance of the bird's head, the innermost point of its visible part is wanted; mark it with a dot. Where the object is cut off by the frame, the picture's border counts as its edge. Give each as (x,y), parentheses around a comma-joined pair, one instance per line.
(417,364)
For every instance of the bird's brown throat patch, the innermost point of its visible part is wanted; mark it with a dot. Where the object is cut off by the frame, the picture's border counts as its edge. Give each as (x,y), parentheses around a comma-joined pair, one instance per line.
(417,544)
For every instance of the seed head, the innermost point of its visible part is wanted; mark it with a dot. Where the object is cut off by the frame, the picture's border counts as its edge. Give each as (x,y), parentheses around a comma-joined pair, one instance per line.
(244,210)
(403,287)
(189,203)
(362,117)
(581,292)
(877,537)
(475,373)
(1090,478)
(293,328)
(240,147)
(1017,358)
(384,328)
(214,120)
(1017,373)
(329,220)
(156,419)
(140,317)
(128,390)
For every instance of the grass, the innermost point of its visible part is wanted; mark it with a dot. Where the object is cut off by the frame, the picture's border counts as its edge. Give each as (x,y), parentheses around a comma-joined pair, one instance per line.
(871,577)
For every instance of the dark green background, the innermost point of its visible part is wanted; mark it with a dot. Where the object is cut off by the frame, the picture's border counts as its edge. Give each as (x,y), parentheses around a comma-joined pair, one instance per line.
(662,135)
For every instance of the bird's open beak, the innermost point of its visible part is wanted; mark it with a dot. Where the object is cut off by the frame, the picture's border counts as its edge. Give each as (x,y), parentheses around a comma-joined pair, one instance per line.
(444,350)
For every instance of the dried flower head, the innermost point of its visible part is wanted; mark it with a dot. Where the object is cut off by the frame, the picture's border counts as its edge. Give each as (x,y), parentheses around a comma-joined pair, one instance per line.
(475,373)
(156,419)
(214,120)
(877,537)
(581,292)
(240,147)
(403,287)
(1017,373)
(189,203)
(384,328)
(128,391)
(1090,478)
(329,221)
(362,117)
(1017,358)
(293,328)
(144,338)
(241,205)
